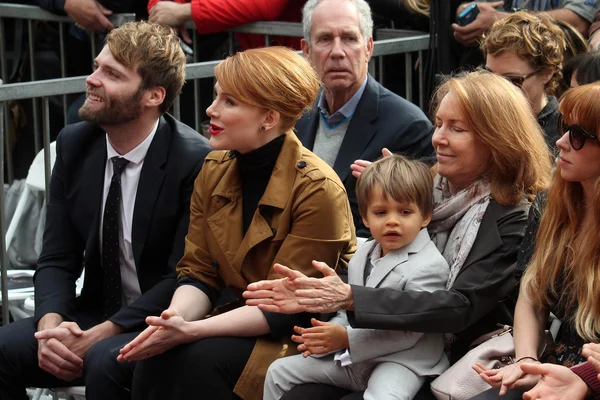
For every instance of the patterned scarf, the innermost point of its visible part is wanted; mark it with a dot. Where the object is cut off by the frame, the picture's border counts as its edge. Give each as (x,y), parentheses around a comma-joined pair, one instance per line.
(456,220)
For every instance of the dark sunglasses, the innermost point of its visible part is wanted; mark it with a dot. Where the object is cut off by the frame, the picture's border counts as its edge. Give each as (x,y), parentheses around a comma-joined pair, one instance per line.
(577,135)
(516,80)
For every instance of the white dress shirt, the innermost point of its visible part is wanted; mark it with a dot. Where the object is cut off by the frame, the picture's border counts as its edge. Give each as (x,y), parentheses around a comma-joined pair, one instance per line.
(129,183)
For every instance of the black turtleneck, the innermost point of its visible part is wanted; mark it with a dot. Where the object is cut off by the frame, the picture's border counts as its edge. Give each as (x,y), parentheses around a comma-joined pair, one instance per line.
(255,171)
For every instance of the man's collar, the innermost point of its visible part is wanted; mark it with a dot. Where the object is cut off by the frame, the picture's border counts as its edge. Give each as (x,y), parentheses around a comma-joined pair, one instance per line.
(346,110)
(138,154)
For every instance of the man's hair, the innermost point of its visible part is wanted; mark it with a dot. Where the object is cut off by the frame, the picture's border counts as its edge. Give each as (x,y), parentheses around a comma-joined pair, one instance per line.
(535,38)
(154,51)
(364,15)
(500,117)
(405,181)
(275,78)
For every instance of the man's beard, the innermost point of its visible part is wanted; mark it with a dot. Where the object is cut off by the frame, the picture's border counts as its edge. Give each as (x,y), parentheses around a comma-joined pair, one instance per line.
(115,110)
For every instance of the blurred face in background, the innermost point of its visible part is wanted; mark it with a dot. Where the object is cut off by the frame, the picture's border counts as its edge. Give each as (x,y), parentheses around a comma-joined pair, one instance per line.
(522,74)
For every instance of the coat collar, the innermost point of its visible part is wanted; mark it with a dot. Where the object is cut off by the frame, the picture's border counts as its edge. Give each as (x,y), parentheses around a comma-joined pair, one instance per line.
(234,246)
(282,177)
(386,264)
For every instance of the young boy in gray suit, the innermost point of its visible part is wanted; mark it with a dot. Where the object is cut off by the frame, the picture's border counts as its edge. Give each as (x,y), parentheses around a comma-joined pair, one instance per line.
(395,199)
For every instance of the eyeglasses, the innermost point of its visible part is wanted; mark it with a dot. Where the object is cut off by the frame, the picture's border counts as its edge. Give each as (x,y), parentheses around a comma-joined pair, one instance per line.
(516,80)
(577,135)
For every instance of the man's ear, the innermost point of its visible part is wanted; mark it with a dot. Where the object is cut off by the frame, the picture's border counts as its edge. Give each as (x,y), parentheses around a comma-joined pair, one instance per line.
(155,96)
(305,48)
(271,119)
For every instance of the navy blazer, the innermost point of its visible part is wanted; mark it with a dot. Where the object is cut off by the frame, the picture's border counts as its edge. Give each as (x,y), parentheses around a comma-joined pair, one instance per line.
(382,119)
(160,222)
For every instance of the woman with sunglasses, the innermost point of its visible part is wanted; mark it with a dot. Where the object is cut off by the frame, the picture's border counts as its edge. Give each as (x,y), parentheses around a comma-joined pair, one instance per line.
(561,251)
(528,50)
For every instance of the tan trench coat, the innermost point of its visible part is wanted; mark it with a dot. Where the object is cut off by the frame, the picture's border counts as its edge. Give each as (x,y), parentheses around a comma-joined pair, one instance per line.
(302,216)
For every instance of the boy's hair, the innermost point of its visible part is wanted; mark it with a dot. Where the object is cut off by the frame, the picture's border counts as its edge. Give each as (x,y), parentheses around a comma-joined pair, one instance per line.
(155,52)
(404,180)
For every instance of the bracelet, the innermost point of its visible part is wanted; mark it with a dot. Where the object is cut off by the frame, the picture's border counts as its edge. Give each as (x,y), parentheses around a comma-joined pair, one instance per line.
(527,358)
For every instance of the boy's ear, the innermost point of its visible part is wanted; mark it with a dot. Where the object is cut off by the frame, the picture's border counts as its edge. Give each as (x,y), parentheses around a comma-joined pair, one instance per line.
(365,222)
(426,221)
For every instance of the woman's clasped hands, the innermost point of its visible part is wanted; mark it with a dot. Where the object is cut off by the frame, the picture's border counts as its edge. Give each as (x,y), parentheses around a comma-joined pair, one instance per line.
(163,333)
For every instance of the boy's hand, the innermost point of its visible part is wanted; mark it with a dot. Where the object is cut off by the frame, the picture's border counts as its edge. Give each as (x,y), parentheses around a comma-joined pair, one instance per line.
(323,337)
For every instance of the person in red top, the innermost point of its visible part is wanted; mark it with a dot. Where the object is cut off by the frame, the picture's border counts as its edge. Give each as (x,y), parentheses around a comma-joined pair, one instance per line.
(211,16)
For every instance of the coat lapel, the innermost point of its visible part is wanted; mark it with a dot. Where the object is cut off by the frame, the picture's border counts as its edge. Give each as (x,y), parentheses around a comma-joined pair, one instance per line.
(281,181)
(361,130)
(397,257)
(93,190)
(356,269)
(226,223)
(151,180)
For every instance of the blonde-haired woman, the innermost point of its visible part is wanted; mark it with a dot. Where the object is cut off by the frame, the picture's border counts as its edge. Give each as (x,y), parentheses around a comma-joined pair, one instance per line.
(262,199)
(492,161)
(563,275)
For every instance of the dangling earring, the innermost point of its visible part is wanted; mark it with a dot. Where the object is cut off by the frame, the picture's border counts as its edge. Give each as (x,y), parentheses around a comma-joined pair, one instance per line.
(262,128)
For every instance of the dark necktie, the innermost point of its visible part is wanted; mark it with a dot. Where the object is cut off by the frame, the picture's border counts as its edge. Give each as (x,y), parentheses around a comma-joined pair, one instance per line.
(110,241)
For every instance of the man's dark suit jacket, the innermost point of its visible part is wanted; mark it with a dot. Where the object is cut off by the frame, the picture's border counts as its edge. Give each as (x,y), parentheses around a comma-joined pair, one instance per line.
(160,222)
(382,119)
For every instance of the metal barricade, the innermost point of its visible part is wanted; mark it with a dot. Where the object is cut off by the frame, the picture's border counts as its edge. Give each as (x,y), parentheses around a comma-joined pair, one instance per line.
(395,42)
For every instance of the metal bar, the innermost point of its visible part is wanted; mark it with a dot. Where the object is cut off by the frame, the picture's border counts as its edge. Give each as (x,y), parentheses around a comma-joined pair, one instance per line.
(3,257)
(408,77)
(278,28)
(3,69)
(400,45)
(230,43)
(49,87)
(421,87)
(8,155)
(52,87)
(197,121)
(47,161)
(63,66)
(380,67)
(35,122)
(177,108)
(20,11)
(267,41)
(93,41)
(372,66)
(385,33)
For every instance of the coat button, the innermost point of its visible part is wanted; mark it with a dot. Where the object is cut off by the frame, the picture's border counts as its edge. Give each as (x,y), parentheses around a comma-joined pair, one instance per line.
(274,231)
(215,265)
(302,164)
(231,153)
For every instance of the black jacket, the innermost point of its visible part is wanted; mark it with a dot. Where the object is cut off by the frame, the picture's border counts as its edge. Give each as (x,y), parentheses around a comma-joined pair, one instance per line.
(160,222)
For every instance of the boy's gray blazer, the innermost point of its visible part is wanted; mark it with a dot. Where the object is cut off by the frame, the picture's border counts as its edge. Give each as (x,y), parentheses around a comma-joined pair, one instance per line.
(417,266)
